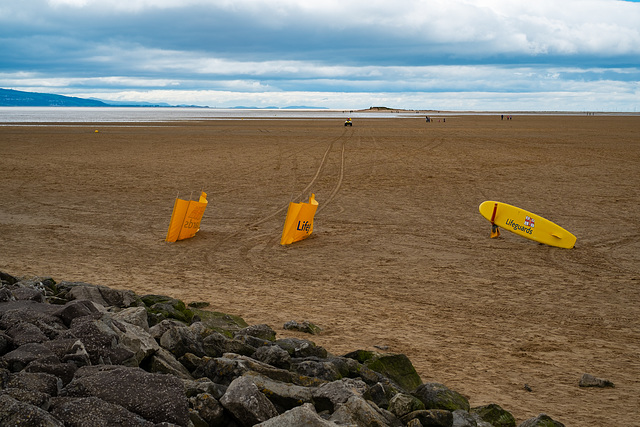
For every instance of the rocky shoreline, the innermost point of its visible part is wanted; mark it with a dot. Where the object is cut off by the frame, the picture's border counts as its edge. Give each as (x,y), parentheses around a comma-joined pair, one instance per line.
(77,354)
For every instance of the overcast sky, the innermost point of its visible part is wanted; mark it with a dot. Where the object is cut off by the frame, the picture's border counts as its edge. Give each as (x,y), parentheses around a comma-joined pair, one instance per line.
(569,55)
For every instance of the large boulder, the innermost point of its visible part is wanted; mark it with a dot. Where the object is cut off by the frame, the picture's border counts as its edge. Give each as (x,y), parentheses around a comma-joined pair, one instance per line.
(100,336)
(99,294)
(430,418)
(495,415)
(92,411)
(155,397)
(329,397)
(542,420)
(262,331)
(208,408)
(317,368)
(217,344)
(359,412)
(402,404)
(273,355)
(396,367)
(282,394)
(19,358)
(182,340)
(439,396)
(77,308)
(304,415)
(301,348)
(163,362)
(588,380)
(247,404)
(16,413)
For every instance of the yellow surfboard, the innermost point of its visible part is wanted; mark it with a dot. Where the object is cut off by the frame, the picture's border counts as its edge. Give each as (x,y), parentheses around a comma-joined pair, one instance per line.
(525,224)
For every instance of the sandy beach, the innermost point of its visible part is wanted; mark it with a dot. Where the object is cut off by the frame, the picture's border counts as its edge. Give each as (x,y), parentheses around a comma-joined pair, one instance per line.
(400,257)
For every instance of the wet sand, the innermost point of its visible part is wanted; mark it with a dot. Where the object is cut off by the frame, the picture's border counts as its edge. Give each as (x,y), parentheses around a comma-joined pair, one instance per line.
(399,257)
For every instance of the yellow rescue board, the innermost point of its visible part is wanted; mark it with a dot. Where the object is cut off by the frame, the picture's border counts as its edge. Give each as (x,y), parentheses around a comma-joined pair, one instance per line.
(527,224)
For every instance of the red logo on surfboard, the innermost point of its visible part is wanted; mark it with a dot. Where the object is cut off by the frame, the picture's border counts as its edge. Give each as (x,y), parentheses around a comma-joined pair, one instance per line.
(529,222)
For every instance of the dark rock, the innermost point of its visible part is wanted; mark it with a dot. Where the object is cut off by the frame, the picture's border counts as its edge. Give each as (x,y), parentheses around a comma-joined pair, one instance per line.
(396,367)
(358,411)
(35,398)
(76,308)
(331,395)
(99,294)
(45,285)
(28,294)
(259,331)
(304,326)
(304,415)
(19,358)
(6,343)
(542,420)
(158,329)
(464,419)
(204,386)
(26,311)
(168,308)
(281,394)
(402,404)
(208,408)
(24,333)
(255,342)
(6,295)
(7,279)
(216,344)
(39,315)
(301,348)
(431,418)
(438,396)
(588,380)
(164,362)
(199,304)
(92,411)
(246,403)
(155,397)
(223,370)
(53,366)
(77,354)
(220,322)
(311,368)
(100,339)
(495,415)
(16,413)
(380,394)
(35,381)
(134,315)
(182,340)
(273,355)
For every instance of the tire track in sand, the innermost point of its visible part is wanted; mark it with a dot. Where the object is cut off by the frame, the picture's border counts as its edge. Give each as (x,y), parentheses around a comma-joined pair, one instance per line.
(304,191)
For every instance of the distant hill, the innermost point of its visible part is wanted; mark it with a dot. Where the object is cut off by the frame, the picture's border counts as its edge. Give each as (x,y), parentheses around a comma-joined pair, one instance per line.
(16,98)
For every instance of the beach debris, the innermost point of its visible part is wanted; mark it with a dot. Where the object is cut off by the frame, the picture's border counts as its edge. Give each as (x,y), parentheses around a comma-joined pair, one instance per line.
(589,380)
(527,387)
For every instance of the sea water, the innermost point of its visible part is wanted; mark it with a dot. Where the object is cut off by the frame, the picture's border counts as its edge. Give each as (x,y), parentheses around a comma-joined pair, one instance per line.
(16,115)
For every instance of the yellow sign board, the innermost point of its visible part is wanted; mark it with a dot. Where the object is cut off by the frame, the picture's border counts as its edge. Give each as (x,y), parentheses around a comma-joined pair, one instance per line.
(186,217)
(299,222)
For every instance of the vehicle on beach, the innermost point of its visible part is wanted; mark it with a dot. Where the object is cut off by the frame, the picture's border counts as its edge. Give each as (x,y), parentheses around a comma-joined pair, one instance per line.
(348,122)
